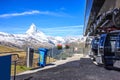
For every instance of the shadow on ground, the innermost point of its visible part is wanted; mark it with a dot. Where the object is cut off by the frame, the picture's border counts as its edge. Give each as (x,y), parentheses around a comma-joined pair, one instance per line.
(50,64)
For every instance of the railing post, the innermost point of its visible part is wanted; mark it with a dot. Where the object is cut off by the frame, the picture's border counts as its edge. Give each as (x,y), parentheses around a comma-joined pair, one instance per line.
(29,57)
(15,64)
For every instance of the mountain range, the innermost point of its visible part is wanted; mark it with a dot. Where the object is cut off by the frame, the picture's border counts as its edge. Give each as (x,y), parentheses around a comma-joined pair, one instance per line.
(33,37)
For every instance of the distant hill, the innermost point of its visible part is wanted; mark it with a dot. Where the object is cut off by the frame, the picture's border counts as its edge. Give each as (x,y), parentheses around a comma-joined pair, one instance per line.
(5,49)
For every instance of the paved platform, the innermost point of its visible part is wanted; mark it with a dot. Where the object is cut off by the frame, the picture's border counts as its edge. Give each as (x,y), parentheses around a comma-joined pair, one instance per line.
(55,64)
(74,68)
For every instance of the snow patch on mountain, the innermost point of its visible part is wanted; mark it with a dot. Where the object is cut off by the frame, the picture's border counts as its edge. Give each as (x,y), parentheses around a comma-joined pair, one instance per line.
(34,37)
(32,29)
(34,33)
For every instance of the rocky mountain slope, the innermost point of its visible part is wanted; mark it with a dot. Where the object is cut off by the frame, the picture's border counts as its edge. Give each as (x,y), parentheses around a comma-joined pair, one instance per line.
(33,38)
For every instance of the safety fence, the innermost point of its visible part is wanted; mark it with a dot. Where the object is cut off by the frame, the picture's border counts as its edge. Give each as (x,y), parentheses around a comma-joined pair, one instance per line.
(64,53)
(19,58)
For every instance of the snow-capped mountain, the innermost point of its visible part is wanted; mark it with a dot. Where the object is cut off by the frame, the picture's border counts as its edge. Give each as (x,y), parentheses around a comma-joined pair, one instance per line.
(70,39)
(32,37)
(32,29)
(34,33)
(56,40)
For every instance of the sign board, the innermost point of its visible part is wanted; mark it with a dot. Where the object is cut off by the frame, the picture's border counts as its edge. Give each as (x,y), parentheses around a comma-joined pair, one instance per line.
(5,67)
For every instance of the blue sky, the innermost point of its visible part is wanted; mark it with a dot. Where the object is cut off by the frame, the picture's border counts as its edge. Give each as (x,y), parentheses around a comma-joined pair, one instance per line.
(53,17)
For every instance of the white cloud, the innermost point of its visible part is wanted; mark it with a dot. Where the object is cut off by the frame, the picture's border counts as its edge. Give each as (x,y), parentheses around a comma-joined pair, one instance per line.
(20,14)
(65,27)
(34,12)
(55,31)
(13,29)
(64,31)
(62,8)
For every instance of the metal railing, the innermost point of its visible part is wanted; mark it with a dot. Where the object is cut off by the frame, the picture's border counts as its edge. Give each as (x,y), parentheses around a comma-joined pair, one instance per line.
(15,64)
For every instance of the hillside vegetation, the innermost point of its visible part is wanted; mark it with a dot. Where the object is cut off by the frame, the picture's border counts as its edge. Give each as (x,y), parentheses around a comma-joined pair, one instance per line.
(7,49)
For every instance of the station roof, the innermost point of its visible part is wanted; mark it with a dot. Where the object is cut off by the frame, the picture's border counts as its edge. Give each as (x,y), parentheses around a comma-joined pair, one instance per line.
(96,7)
(92,9)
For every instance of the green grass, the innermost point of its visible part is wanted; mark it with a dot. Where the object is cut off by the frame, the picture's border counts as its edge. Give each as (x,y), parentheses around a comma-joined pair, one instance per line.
(19,69)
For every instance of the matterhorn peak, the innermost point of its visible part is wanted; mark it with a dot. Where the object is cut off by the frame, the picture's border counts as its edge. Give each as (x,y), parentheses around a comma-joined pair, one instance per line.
(32,29)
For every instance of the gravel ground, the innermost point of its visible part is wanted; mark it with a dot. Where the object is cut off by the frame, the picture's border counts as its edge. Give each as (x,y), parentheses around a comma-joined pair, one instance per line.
(82,69)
